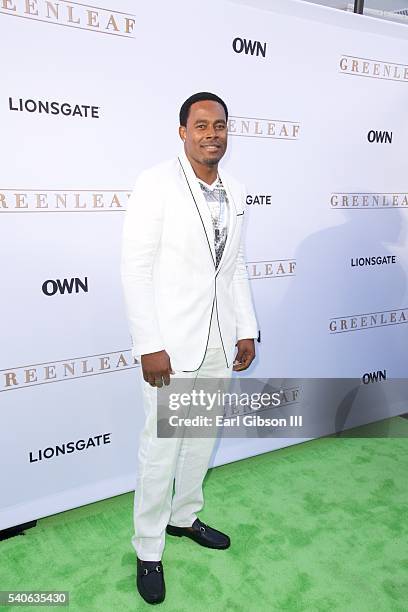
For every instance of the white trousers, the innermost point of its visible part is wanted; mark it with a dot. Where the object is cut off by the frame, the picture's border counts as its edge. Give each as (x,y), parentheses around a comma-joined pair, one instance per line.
(164,463)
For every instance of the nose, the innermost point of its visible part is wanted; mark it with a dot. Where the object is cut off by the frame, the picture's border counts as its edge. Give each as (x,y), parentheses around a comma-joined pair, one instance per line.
(210,132)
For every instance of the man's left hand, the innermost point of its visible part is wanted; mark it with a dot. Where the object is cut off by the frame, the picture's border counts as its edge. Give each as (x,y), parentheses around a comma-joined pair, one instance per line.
(245,354)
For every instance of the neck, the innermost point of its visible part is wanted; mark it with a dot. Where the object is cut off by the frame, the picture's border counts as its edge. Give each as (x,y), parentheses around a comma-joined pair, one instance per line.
(208,174)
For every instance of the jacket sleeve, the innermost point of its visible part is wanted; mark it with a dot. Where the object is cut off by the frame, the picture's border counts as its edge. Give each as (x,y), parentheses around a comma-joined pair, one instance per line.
(140,242)
(246,324)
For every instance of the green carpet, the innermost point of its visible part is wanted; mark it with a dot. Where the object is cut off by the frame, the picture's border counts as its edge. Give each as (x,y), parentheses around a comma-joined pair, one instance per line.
(320,526)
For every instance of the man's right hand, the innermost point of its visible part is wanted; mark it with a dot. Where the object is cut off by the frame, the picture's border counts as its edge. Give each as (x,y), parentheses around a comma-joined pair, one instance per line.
(156,368)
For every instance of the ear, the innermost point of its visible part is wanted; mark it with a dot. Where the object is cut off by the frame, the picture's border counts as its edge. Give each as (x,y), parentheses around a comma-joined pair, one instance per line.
(182,132)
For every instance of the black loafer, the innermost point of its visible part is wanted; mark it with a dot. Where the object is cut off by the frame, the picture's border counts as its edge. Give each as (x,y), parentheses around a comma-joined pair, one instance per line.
(150,581)
(202,534)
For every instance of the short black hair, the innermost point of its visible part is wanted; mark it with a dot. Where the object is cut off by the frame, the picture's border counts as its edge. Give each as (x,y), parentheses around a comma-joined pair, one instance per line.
(199,97)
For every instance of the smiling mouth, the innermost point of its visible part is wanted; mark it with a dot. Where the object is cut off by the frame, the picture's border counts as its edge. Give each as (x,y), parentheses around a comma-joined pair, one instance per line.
(211,146)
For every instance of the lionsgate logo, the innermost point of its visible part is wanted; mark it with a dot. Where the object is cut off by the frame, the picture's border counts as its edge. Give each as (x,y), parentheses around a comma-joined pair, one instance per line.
(67,448)
(85,111)
(62,200)
(277,268)
(82,16)
(21,377)
(66,285)
(374,69)
(374,260)
(253,127)
(358,322)
(258,199)
(368,201)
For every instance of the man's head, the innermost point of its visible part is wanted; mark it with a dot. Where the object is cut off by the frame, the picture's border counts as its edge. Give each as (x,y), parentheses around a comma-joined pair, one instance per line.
(203,128)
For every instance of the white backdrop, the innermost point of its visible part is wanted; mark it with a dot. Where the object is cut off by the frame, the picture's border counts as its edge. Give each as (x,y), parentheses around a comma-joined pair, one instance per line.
(298,136)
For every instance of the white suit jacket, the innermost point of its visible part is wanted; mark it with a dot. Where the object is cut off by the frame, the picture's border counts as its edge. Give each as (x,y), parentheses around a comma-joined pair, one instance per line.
(171,285)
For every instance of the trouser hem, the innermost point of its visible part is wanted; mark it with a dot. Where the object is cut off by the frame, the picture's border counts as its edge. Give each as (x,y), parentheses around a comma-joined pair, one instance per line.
(147,555)
(144,555)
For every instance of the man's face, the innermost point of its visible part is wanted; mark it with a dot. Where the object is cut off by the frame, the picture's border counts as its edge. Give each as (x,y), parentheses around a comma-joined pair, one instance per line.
(205,135)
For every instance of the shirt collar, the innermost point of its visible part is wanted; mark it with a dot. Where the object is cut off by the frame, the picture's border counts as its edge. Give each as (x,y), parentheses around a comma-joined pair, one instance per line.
(212,186)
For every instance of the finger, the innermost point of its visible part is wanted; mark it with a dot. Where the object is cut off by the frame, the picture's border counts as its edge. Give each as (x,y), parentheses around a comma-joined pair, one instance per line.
(250,355)
(166,378)
(248,363)
(245,362)
(238,367)
(239,357)
(245,356)
(151,379)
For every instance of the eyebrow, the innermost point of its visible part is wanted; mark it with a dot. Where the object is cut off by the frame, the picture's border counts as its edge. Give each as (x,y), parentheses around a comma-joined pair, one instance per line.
(206,121)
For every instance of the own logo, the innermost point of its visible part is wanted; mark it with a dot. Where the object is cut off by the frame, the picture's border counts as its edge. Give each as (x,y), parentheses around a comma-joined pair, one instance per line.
(249,47)
(381,137)
(66,285)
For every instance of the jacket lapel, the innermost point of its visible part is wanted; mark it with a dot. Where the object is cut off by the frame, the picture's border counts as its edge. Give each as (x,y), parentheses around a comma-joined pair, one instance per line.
(232,215)
(199,201)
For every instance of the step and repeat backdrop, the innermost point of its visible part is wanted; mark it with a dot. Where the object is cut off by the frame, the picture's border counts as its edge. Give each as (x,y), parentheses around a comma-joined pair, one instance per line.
(317,131)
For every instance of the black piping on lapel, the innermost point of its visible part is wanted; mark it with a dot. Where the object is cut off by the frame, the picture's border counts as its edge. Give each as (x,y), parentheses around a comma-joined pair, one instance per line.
(202,222)
(215,282)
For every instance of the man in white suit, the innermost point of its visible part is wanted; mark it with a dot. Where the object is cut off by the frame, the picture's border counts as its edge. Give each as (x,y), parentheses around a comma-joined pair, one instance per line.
(189,305)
